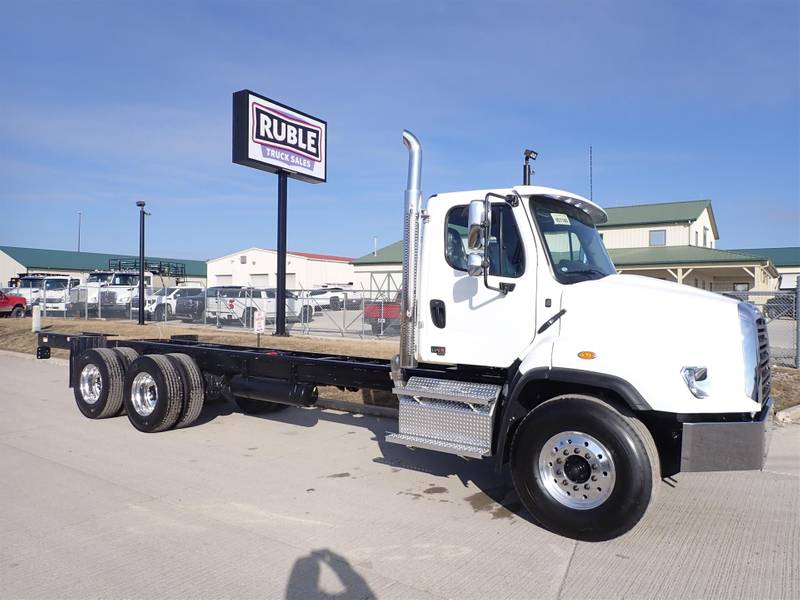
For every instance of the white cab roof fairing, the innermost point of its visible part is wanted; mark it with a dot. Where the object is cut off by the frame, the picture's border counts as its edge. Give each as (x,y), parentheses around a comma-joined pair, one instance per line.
(595,213)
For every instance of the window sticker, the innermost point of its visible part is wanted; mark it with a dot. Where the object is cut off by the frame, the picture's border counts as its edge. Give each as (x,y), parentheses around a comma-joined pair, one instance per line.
(560,218)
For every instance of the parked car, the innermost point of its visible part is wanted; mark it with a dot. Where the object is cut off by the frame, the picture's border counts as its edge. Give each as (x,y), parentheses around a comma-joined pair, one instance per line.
(382,315)
(161,304)
(12,305)
(191,307)
(328,298)
(781,307)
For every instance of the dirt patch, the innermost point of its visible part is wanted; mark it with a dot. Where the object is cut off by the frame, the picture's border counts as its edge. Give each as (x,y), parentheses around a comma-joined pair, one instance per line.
(785,387)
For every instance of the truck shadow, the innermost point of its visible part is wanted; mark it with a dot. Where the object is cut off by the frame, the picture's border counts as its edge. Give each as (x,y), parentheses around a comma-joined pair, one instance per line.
(496,495)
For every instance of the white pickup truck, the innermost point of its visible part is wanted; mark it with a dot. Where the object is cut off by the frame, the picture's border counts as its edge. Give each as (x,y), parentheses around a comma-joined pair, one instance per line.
(160,303)
(240,305)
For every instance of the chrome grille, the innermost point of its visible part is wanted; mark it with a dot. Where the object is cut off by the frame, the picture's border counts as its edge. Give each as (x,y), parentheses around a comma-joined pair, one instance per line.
(763,372)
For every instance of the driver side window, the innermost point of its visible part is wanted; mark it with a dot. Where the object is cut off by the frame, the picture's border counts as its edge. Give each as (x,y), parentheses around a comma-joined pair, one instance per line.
(505,252)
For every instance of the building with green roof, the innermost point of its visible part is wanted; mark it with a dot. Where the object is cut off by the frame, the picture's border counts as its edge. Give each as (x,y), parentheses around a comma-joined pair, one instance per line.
(16,260)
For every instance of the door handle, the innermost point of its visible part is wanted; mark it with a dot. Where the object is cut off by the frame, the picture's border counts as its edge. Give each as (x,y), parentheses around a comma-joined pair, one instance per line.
(438,313)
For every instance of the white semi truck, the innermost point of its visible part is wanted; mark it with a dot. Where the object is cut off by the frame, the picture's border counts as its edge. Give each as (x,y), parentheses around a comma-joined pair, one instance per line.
(519,345)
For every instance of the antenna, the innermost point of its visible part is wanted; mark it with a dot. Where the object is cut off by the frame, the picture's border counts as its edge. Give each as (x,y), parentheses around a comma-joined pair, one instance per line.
(590,174)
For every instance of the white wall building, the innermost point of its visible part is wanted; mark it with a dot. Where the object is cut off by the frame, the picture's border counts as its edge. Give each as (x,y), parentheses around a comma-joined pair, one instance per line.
(258,267)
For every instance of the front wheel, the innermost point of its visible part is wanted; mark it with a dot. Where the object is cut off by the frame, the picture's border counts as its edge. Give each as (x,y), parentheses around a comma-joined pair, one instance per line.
(583,469)
(18,312)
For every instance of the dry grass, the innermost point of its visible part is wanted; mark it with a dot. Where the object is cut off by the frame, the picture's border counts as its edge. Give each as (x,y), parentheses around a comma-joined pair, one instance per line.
(16,335)
(785,387)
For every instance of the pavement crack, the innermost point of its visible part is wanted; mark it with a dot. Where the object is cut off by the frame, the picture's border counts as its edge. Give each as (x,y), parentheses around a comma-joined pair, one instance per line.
(566,571)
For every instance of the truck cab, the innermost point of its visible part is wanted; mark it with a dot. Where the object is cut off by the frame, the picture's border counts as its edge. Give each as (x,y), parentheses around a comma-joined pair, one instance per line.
(51,292)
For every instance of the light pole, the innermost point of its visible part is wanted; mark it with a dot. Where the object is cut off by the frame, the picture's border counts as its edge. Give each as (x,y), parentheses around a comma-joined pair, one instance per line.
(79,230)
(142,214)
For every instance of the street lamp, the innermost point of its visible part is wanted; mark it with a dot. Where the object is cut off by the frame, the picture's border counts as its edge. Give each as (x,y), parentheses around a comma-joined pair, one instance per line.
(142,214)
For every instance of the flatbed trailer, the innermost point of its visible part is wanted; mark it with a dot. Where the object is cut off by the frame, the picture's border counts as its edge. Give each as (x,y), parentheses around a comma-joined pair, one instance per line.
(519,343)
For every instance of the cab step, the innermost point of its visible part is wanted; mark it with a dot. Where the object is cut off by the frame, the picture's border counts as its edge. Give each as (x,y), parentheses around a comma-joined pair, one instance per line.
(445,389)
(415,441)
(455,426)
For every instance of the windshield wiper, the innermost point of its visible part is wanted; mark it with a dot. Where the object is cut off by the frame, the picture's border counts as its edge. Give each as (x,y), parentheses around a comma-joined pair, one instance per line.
(587,272)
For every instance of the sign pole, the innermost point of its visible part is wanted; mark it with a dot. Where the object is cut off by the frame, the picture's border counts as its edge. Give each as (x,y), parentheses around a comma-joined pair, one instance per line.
(280,299)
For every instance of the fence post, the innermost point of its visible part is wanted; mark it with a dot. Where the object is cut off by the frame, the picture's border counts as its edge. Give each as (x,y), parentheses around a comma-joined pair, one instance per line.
(797,324)
(218,309)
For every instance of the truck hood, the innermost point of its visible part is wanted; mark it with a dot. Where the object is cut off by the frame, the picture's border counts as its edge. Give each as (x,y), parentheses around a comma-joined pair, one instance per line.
(645,331)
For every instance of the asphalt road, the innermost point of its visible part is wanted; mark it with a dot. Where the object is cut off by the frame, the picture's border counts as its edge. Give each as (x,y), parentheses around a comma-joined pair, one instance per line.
(314,504)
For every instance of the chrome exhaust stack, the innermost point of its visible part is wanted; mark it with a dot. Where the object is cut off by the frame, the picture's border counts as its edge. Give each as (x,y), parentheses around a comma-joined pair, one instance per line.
(408,300)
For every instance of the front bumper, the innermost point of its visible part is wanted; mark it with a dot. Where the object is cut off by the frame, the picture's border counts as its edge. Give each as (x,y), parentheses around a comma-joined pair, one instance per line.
(726,446)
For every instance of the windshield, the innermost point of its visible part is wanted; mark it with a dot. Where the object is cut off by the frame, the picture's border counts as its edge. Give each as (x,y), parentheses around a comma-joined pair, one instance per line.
(55,284)
(31,283)
(125,279)
(575,247)
(99,278)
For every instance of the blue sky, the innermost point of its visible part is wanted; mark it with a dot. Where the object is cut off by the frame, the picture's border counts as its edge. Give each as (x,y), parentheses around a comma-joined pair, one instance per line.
(106,103)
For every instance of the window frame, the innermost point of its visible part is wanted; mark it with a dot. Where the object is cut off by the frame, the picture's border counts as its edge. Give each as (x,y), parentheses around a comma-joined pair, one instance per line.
(650,233)
(492,207)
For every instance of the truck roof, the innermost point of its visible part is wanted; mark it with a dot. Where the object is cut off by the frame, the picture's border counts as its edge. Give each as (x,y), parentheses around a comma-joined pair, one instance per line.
(594,211)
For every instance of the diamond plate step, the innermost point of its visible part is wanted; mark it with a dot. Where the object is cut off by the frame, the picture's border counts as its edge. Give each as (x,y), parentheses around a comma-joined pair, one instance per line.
(416,441)
(445,389)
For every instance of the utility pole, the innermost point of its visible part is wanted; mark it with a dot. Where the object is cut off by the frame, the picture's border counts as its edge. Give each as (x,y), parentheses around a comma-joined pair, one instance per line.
(591,191)
(79,231)
(142,214)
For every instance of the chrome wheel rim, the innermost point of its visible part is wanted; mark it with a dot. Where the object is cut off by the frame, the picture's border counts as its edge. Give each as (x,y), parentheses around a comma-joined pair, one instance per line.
(91,384)
(576,470)
(144,394)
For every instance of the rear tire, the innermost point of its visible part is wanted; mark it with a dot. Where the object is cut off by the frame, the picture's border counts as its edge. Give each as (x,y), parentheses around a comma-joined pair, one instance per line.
(98,383)
(583,469)
(153,393)
(17,312)
(257,407)
(126,356)
(193,388)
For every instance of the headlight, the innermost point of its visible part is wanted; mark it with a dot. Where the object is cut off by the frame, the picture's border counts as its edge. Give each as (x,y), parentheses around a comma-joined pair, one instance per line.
(695,378)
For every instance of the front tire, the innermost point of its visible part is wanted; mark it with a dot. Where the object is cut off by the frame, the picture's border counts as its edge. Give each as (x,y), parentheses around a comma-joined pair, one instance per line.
(583,469)
(17,312)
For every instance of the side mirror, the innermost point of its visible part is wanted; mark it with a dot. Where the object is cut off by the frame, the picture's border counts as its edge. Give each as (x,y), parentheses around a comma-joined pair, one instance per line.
(475,265)
(477,224)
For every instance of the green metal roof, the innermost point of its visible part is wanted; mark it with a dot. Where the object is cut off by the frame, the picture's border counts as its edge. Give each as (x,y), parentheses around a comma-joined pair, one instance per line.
(393,253)
(678,255)
(39,258)
(780,257)
(652,214)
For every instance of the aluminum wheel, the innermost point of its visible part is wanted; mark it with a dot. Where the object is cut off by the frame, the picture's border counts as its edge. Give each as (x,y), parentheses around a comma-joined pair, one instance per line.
(90,383)
(576,470)
(144,394)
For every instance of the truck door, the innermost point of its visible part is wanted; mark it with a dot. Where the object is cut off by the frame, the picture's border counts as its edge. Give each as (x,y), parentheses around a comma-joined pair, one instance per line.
(461,320)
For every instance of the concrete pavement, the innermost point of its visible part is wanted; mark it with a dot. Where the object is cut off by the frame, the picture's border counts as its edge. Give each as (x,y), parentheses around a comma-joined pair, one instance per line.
(313,504)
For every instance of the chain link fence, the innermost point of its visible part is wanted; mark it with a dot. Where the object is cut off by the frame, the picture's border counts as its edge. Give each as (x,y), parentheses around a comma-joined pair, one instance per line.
(780,310)
(344,313)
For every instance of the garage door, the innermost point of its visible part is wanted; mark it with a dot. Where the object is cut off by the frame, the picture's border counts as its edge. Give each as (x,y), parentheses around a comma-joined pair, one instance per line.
(224,279)
(259,281)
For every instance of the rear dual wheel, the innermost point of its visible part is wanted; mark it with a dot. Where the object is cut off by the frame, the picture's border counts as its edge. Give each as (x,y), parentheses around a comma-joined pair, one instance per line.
(583,469)
(158,392)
